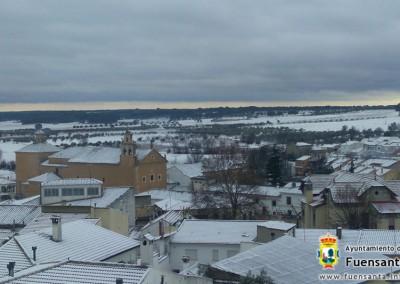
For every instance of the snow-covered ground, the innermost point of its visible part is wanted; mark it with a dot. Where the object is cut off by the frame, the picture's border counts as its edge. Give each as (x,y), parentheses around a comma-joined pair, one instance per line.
(360,119)
(9,149)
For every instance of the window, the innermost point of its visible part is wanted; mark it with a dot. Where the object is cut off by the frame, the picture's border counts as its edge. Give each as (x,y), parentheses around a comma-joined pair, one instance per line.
(151,177)
(67,191)
(73,191)
(50,192)
(192,253)
(159,177)
(231,253)
(288,200)
(143,179)
(273,203)
(215,255)
(272,236)
(79,191)
(93,191)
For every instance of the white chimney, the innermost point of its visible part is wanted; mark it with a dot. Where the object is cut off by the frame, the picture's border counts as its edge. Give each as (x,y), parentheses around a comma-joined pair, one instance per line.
(57,232)
(147,250)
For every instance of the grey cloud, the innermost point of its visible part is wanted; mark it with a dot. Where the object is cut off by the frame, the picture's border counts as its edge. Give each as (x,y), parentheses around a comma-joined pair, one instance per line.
(63,51)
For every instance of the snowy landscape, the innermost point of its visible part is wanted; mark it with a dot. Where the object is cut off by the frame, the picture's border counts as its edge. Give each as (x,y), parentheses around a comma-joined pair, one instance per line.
(361,120)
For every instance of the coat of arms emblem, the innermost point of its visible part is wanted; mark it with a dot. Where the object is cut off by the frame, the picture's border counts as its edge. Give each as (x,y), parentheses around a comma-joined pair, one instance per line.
(328,252)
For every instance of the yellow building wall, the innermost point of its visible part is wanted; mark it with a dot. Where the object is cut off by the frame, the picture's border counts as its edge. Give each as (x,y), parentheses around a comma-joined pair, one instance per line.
(28,166)
(382,222)
(111,219)
(153,164)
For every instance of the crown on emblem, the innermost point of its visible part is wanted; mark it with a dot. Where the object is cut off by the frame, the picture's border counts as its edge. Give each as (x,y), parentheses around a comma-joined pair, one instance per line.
(328,239)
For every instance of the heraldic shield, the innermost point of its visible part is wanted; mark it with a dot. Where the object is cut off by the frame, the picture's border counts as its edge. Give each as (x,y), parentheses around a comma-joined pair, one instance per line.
(328,252)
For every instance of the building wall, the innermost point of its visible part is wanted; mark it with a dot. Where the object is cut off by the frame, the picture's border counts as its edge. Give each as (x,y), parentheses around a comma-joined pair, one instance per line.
(153,164)
(129,256)
(27,166)
(154,228)
(127,205)
(59,198)
(265,235)
(385,222)
(177,176)
(204,253)
(155,276)
(111,219)
(316,216)
(32,189)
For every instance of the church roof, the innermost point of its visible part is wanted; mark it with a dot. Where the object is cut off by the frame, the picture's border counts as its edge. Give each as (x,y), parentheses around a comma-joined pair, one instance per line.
(90,154)
(142,153)
(38,148)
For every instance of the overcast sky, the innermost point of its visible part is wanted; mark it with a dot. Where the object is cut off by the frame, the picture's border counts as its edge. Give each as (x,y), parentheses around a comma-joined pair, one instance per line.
(199,51)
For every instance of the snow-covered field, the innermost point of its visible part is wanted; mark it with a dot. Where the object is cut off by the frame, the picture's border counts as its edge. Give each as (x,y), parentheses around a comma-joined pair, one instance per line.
(361,120)
(9,149)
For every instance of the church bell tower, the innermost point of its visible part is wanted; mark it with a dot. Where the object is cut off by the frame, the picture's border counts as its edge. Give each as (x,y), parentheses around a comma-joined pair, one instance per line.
(128,147)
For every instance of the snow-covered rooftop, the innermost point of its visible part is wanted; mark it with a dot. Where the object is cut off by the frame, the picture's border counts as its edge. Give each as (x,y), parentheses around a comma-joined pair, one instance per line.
(173,204)
(73,181)
(161,194)
(109,196)
(6,234)
(304,158)
(170,217)
(6,174)
(291,260)
(6,182)
(142,153)
(216,231)
(387,207)
(11,251)
(381,162)
(33,200)
(42,221)
(38,148)
(45,177)
(190,170)
(18,214)
(351,237)
(81,240)
(78,272)
(277,225)
(90,154)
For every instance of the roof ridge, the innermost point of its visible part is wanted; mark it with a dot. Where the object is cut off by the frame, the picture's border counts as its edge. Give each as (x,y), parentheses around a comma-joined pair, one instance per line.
(23,250)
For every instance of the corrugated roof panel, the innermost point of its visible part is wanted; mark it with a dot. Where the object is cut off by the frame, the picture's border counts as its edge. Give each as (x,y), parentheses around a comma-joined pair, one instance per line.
(86,272)
(18,214)
(80,240)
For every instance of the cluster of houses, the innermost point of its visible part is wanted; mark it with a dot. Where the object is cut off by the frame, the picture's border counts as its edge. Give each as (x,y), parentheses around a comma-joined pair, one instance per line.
(378,156)
(106,215)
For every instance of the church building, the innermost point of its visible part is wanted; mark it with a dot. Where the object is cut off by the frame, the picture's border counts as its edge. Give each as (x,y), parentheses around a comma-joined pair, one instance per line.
(142,169)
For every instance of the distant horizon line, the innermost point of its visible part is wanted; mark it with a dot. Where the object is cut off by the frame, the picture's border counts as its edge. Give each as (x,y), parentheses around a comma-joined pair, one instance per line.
(121,105)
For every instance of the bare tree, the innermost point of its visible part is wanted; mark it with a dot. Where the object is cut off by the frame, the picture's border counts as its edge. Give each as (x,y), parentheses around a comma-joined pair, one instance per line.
(351,209)
(196,154)
(235,184)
